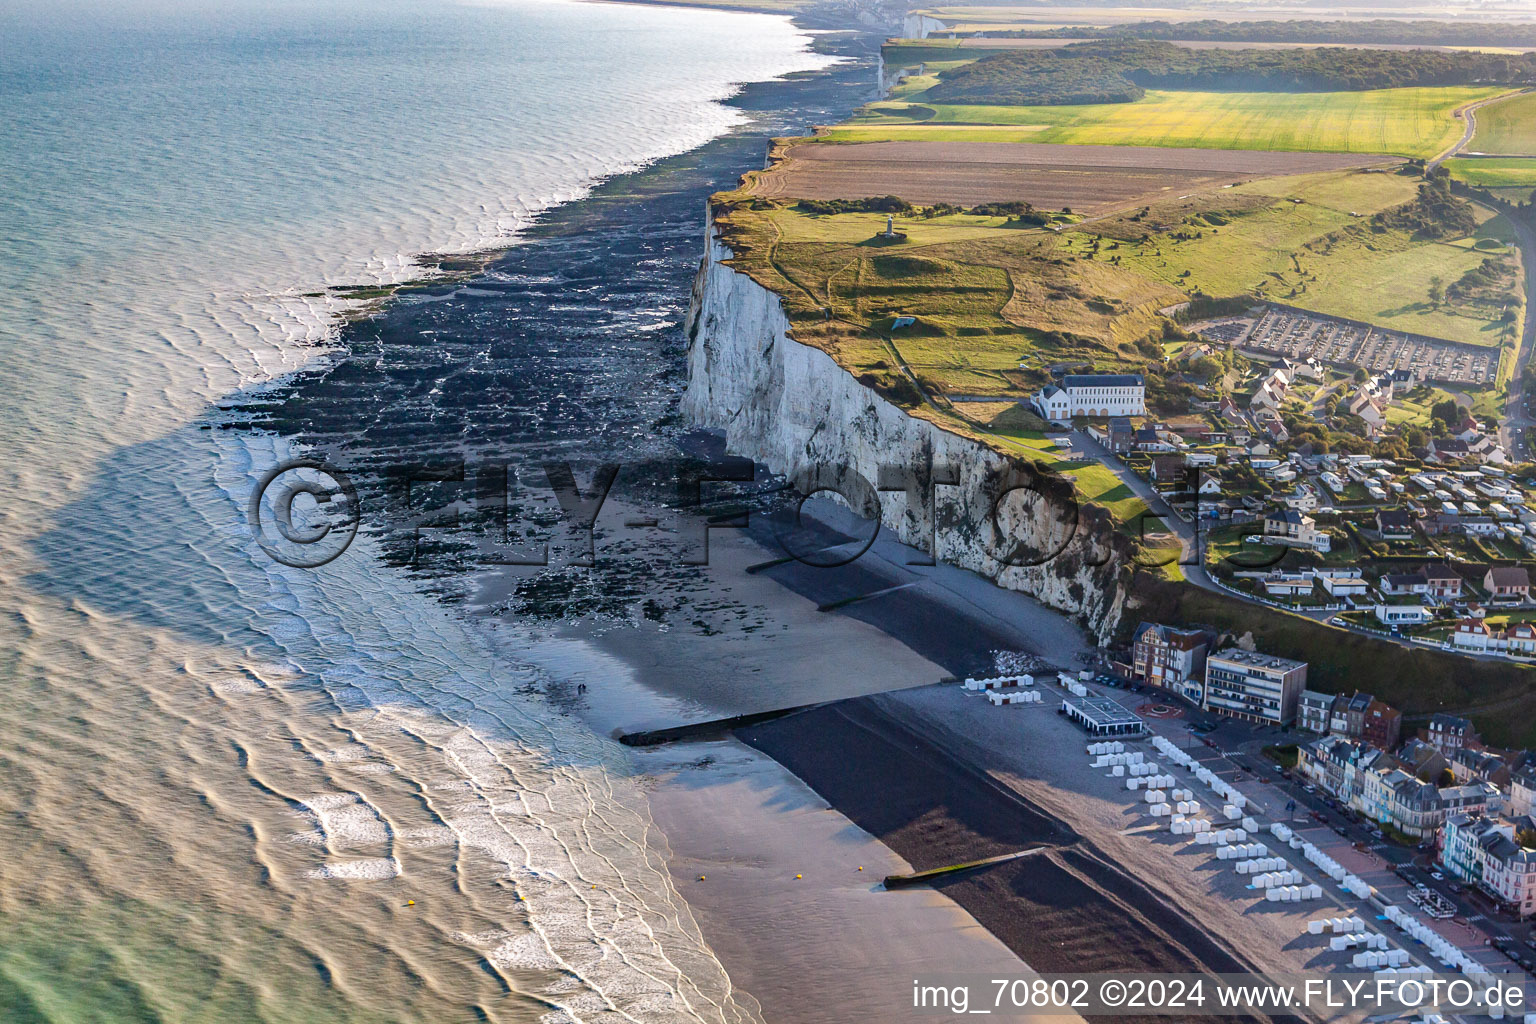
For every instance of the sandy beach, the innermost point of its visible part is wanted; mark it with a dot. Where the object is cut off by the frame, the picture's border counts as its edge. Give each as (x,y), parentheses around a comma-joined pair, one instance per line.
(772,873)
(906,773)
(832,945)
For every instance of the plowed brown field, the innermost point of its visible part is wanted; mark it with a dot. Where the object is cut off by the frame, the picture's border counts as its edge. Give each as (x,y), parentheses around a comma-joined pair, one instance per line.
(1086,178)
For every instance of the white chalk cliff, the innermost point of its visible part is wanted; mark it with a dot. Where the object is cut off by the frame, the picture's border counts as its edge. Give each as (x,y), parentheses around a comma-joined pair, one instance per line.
(791,407)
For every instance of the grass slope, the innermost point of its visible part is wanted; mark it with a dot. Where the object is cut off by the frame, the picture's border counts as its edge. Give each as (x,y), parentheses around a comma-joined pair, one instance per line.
(1275,248)
(1507,127)
(1404,122)
(1495,172)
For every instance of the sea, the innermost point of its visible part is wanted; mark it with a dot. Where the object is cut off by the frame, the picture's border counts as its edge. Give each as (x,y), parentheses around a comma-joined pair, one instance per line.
(237,789)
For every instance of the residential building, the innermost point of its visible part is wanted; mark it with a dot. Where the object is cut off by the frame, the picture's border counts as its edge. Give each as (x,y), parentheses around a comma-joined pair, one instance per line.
(1402,614)
(1171,658)
(1290,527)
(1481,526)
(1288,584)
(1253,686)
(1168,469)
(1404,583)
(1507,584)
(1477,635)
(1093,394)
(1448,449)
(1120,432)
(1489,853)
(1394,524)
(1342,582)
(1421,759)
(1349,716)
(1468,765)
(1382,725)
(1366,779)
(1314,710)
(1441,581)
(1448,733)
(1522,790)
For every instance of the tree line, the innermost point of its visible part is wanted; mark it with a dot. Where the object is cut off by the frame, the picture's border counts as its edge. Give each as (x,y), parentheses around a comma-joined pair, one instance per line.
(1120,71)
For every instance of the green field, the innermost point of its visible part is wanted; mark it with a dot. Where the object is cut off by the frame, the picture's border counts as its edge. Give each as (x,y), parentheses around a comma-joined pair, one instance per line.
(1507,127)
(1278,250)
(1495,172)
(995,305)
(1405,122)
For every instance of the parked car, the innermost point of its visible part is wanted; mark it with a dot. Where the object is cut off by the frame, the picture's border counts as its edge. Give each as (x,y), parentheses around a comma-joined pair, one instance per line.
(1437,876)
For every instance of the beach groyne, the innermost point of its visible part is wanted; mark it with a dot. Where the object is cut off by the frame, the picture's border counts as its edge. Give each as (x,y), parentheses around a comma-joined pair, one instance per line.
(791,407)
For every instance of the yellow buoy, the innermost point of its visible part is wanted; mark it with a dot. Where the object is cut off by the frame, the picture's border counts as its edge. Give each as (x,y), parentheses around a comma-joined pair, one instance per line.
(701,878)
(410,903)
(799,876)
(861,869)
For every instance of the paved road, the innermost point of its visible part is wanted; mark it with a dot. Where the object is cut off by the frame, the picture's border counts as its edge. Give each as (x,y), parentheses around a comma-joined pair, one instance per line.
(1512,433)
(1468,114)
(1517,418)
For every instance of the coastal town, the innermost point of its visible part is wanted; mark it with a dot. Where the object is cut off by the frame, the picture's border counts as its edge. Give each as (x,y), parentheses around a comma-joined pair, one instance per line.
(1429,837)
(1426,543)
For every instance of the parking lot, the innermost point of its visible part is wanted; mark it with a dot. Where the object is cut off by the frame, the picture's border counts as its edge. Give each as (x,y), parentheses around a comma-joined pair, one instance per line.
(1301,335)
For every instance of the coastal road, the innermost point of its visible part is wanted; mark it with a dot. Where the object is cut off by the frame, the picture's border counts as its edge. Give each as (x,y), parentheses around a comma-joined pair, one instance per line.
(1468,114)
(1514,431)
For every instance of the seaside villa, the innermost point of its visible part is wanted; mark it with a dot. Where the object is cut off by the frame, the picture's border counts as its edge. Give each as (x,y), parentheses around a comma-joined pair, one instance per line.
(1092,394)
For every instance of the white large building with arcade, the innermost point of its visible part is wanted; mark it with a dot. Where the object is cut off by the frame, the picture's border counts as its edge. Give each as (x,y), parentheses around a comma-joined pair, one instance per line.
(1093,394)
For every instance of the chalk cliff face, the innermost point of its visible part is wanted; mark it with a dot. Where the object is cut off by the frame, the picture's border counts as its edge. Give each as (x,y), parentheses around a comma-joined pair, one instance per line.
(791,407)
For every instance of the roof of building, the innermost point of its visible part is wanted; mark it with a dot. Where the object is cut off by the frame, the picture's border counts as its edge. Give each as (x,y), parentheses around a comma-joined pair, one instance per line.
(1450,723)
(1102,380)
(1439,573)
(1394,518)
(1318,698)
(1120,425)
(1509,576)
(1238,656)
(1102,713)
(1399,580)
(1183,639)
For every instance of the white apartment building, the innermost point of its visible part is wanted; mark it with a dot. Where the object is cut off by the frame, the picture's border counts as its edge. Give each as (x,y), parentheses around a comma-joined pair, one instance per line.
(1093,394)
(1252,686)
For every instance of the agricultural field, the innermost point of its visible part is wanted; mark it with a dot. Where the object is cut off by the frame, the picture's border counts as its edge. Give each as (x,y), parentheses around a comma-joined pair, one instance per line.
(1416,122)
(1494,172)
(1299,241)
(1507,128)
(1079,178)
(995,304)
